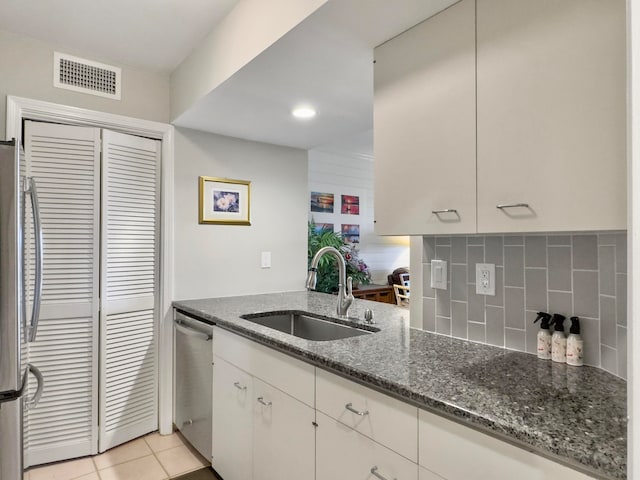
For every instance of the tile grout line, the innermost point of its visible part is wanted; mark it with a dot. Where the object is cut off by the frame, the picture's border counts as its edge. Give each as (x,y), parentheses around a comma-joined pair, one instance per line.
(155,456)
(95,466)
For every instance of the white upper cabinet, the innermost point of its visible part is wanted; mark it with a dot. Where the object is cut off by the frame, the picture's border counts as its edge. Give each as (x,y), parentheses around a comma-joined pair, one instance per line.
(424,127)
(551,115)
(513,116)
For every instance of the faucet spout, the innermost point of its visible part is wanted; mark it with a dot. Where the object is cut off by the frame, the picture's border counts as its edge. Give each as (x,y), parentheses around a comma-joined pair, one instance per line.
(345,285)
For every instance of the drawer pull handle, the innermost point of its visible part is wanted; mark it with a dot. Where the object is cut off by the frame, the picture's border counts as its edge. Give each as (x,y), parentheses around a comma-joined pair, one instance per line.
(262,401)
(445,210)
(349,407)
(374,472)
(239,386)
(512,205)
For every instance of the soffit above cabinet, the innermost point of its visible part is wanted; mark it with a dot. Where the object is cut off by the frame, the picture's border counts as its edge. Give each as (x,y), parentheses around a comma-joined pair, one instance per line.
(326,61)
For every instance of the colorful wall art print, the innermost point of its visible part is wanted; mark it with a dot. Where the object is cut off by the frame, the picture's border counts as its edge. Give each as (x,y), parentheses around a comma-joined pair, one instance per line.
(324,227)
(322,202)
(224,201)
(351,233)
(350,205)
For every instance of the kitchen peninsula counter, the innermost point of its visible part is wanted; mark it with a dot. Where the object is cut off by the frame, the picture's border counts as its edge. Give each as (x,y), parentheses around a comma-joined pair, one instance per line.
(573,415)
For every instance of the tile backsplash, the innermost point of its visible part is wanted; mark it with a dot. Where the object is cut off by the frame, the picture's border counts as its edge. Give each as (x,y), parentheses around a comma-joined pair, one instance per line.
(582,275)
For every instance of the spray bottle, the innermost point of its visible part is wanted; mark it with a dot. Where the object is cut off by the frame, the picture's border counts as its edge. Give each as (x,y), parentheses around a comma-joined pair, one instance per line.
(544,336)
(575,344)
(558,339)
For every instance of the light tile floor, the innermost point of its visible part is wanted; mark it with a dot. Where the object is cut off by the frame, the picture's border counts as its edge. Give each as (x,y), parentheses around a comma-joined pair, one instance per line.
(153,457)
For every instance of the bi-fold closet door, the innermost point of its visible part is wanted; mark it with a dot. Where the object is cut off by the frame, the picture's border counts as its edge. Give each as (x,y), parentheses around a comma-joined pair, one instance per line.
(97,337)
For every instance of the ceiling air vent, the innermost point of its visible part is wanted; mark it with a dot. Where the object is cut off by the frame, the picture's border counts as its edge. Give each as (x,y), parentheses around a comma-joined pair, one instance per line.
(80,75)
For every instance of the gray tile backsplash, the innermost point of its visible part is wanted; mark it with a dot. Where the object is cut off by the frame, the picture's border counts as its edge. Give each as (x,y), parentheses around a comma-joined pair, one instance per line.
(577,274)
(459,250)
(585,252)
(559,268)
(514,307)
(513,266)
(535,251)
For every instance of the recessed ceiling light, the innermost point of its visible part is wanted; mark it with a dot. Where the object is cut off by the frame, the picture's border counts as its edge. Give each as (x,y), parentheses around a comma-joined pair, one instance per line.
(303,112)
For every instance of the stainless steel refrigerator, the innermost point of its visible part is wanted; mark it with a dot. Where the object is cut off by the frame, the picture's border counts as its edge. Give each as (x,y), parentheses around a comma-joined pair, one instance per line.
(18,314)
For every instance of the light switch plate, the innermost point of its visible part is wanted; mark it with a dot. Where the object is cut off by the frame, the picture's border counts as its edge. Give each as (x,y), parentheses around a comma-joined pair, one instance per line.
(486,279)
(439,274)
(266,260)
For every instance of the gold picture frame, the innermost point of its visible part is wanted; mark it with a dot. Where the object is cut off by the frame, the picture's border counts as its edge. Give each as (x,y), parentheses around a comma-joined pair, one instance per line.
(224,201)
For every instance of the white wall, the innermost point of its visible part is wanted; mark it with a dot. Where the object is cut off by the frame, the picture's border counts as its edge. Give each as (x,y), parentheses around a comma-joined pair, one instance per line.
(250,28)
(346,175)
(223,260)
(27,71)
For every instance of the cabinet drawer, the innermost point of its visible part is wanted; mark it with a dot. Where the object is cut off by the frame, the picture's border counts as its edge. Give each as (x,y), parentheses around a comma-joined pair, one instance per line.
(282,371)
(444,442)
(344,453)
(389,421)
(424,474)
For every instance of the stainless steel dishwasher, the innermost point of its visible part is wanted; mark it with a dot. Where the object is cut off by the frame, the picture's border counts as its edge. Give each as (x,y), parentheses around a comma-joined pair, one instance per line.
(193,369)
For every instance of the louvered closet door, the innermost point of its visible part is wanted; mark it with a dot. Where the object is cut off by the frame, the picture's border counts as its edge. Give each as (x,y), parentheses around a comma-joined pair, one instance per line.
(129,284)
(64,160)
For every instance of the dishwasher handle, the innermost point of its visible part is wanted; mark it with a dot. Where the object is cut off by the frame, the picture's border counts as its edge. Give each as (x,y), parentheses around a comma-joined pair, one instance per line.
(192,333)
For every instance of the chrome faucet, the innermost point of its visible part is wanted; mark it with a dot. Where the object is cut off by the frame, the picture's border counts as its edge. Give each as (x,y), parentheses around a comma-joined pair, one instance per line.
(345,296)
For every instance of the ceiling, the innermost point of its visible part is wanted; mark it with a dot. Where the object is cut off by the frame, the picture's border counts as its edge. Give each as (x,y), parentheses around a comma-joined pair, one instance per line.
(152,34)
(327,62)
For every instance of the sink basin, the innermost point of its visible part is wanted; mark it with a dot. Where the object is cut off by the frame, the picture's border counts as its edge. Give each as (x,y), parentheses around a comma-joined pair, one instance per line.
(307,325)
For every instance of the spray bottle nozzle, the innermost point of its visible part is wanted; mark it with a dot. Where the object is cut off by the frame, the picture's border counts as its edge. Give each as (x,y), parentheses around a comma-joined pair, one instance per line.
(575,325)
(544,318)
(558,322)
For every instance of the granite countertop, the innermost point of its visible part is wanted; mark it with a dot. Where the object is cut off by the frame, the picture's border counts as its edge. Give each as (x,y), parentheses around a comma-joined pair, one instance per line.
(574,415)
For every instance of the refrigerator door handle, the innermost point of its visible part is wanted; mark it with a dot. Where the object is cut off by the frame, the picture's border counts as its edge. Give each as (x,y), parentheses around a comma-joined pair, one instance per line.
(33,401)
(31,330)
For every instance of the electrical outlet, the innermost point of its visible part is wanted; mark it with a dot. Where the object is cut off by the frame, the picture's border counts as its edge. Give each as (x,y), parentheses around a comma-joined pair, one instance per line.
(439,274)
(485,279)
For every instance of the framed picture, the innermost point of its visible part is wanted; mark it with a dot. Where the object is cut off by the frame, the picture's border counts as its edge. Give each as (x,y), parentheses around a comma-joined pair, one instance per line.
(350,205)
(322,202)
(321,227)
(351,233)
(224,201)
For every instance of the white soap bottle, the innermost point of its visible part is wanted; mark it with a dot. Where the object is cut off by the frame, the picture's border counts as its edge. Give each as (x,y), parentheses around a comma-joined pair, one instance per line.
(575,344)
(544,336)
(558,339)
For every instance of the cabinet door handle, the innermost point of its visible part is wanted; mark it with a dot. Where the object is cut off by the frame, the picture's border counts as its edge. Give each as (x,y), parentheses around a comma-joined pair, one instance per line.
(374,472)
(262,401)
(349,407)
(445,210)
(512,205)
(239,386)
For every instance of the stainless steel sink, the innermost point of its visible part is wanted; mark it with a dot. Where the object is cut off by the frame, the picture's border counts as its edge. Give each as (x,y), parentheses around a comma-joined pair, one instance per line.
(307,325)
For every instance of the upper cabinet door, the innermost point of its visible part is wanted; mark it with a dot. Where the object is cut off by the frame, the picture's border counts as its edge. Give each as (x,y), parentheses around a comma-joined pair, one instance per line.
(425,127)
(551,115)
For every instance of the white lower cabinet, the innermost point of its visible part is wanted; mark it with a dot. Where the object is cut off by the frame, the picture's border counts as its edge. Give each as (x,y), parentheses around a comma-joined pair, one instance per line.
(283,436)
(260,431)
(233,400)
(265,404)
(342,452)
(456,452)
(424,474)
